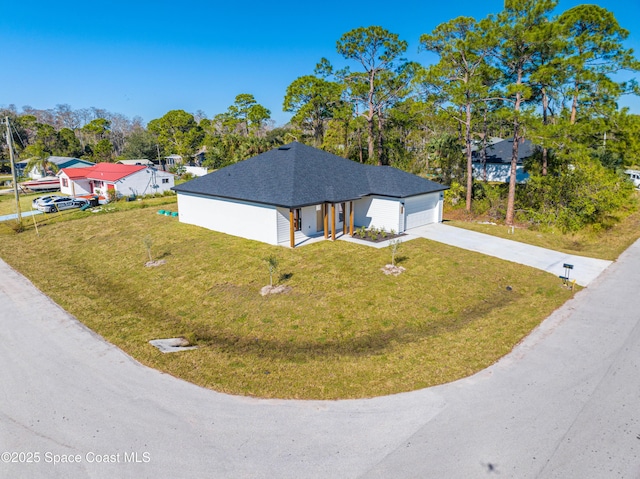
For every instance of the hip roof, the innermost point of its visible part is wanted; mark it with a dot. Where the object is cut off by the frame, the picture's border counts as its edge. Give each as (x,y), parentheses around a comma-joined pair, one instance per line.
(296,175)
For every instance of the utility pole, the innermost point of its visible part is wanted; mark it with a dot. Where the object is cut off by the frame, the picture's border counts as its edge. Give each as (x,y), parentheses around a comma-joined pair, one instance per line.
(13,169)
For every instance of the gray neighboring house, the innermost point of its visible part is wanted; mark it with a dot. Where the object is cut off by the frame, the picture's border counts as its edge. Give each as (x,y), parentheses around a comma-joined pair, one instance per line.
(295,192)
(498,161)
(59,161)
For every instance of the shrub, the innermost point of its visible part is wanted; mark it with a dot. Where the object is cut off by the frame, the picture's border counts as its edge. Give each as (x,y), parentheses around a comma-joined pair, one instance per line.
(584,194)
(454,194)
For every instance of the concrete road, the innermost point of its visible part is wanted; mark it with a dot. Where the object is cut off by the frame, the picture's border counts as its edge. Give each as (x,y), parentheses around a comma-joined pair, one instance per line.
(563,404)
(584,272)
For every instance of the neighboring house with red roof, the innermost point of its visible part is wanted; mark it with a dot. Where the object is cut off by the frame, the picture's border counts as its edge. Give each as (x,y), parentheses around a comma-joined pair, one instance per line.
(106,179)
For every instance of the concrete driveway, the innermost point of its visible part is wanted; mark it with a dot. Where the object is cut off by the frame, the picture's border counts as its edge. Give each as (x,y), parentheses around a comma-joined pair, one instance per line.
(563,404)
(584,272)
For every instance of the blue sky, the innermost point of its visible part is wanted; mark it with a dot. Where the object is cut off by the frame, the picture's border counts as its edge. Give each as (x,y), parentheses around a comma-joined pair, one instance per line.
(142,58)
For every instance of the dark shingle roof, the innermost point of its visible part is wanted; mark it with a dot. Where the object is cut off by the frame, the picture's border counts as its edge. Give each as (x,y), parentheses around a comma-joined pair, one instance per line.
(501,152)
(296,175)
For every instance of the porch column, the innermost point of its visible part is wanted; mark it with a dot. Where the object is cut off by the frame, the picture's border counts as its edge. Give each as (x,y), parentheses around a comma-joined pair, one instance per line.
(326,220)
(344,218)
(333,221)
(351,218)
(292,233)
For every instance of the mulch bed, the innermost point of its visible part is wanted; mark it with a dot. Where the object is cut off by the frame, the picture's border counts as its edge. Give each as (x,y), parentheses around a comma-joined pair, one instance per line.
(378,237)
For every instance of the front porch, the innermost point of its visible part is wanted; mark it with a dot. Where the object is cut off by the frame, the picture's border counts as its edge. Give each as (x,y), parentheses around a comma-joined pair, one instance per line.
(330,221)
(303,240)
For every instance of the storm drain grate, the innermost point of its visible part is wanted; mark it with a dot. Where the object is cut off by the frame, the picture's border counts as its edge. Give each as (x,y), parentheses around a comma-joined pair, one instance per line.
(172,345)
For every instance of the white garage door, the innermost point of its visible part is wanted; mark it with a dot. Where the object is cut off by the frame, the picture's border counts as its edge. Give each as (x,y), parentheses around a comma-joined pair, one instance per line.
(421,210)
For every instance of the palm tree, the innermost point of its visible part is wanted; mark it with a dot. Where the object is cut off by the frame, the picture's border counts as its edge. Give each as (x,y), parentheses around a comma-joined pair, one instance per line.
(39,159)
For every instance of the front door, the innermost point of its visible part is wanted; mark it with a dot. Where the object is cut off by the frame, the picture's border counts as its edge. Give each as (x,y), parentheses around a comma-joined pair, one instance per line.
(297,219)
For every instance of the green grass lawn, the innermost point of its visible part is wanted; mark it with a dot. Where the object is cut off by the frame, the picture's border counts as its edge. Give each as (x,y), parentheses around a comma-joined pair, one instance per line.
(345,330)
(8,202)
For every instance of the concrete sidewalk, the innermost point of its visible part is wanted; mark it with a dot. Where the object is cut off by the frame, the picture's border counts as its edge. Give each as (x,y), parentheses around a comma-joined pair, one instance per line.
(585,270)
(14,216)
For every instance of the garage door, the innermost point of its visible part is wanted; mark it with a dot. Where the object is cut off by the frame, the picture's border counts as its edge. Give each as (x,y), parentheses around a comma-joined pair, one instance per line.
(420,210)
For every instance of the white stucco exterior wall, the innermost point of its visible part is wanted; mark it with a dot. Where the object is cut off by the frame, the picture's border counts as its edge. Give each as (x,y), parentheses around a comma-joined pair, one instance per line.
(144,182)
(379,212)
(74,188)
(440,206)
(282,220)
(308,214)
(247,220)
(196,170)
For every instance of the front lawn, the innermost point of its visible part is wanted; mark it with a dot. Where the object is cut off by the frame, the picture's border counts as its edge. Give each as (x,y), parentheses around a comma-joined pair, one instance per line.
(8,202)
(345,330)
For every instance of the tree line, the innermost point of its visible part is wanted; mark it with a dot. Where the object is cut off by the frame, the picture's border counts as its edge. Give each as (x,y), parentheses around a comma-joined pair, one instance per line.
(522,73)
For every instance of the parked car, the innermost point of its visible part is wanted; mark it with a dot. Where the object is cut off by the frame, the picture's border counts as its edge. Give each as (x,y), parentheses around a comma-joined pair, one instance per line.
(61,203)
(42,200)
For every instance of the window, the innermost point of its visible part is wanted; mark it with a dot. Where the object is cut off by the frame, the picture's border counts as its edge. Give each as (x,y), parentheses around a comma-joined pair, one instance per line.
(165,180)
(297,219)
(65,182)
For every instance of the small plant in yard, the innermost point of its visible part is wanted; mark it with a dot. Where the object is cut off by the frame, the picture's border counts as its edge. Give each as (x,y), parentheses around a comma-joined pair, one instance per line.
(394,246)
(383,232)
(148,243)
(362,232)
(272,265)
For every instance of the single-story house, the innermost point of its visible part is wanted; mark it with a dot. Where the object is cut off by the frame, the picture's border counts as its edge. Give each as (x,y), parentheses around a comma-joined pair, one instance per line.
(59,161)
(105,179)
(497,164)
(173,160)
(294,192)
